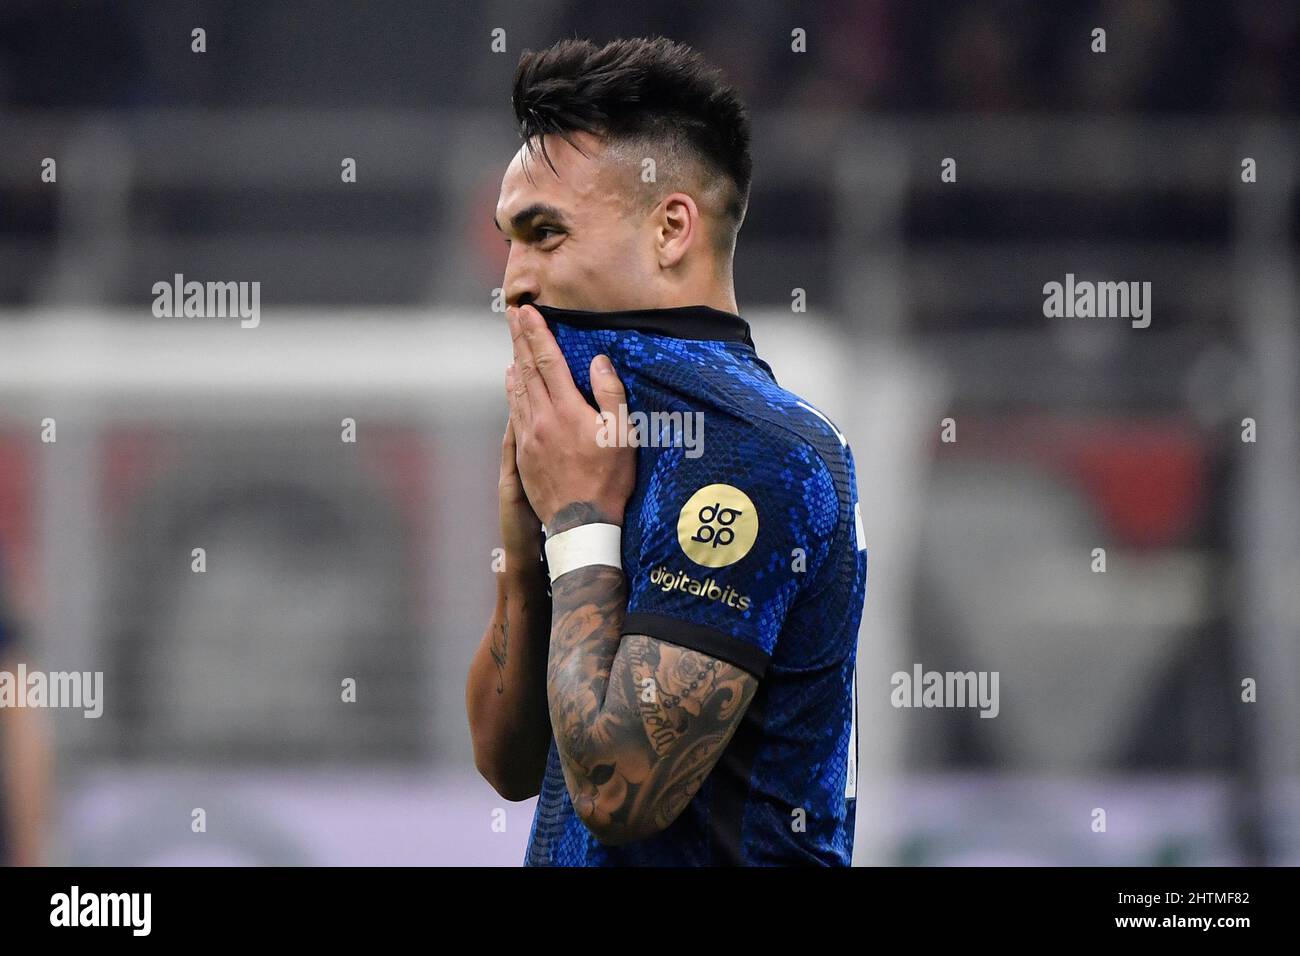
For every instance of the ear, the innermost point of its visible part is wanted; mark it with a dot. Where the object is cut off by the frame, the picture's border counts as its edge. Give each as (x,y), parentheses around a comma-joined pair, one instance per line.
(679,227)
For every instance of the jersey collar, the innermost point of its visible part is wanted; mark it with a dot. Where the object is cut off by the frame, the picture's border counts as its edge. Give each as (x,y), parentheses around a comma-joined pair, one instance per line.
(682,322)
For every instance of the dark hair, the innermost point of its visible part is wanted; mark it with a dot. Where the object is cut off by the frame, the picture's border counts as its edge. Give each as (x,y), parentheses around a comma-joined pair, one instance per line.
(652,89)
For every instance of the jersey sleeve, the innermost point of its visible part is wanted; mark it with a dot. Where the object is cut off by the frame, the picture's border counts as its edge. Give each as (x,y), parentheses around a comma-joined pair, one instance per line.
(727,541)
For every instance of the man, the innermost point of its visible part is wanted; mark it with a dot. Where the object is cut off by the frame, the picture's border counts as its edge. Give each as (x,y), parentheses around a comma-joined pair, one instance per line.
(682,693)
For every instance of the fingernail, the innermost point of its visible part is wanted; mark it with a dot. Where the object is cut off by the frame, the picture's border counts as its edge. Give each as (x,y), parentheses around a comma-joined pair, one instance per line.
(603,365)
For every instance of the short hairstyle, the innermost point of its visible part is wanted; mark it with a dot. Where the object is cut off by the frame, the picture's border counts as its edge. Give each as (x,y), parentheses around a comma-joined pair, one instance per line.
(638,91)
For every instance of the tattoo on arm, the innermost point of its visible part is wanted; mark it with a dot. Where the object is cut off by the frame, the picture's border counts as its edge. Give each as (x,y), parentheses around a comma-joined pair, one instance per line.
(500,645)
(639,723)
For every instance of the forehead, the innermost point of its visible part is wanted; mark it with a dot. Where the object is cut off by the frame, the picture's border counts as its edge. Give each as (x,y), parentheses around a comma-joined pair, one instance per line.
(575,182)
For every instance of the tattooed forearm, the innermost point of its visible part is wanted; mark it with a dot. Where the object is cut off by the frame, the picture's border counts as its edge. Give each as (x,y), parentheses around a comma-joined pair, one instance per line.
(586,617)
(500,646)
(686,706)
(639,723)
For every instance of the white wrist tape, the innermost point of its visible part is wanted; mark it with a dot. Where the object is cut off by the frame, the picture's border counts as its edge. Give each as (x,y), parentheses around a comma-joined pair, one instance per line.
(582,546)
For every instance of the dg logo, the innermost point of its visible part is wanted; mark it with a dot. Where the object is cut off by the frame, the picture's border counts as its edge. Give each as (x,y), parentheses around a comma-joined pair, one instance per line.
(717,526)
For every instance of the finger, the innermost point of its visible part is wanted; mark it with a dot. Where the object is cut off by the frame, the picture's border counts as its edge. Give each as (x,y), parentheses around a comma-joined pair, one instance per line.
(528,378)
(608,391)
(520,411)
(508,441)
(509,454)
(547,357)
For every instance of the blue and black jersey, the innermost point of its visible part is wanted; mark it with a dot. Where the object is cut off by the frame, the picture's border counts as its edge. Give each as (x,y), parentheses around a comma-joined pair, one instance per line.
(743,541)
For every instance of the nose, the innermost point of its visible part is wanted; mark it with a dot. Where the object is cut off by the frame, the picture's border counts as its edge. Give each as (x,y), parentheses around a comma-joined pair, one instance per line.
(521,284)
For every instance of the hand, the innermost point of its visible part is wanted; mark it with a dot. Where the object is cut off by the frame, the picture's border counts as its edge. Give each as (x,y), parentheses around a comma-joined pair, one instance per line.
(561,458)
(521,529)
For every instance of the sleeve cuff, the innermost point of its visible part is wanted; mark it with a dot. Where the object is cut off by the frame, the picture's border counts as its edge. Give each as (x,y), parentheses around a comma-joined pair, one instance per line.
(699,637)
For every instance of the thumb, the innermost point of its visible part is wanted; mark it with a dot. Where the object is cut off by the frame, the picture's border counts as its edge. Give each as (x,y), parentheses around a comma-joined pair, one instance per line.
(607,388)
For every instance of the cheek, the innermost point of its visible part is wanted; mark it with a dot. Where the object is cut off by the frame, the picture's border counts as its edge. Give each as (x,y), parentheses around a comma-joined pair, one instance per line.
(613,259)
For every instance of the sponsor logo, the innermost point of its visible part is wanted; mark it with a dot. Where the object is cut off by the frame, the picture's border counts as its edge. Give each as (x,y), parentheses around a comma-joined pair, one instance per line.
(709,589)
(717,526)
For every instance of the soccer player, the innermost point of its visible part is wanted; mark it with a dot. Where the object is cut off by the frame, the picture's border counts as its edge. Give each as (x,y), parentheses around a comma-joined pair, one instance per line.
(671,669)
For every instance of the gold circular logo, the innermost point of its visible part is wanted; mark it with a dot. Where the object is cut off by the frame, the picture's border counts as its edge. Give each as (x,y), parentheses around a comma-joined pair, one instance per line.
(717,526)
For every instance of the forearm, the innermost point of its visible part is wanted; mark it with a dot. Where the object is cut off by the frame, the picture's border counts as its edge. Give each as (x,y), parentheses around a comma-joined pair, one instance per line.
(588,607)
(27,782)
(506,690)
(639,723)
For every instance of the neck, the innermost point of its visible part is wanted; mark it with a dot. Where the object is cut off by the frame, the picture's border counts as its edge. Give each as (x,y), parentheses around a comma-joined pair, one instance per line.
(724,300)
(717,295)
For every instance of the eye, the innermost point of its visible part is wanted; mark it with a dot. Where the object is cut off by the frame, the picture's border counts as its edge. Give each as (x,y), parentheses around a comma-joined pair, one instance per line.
(548,237)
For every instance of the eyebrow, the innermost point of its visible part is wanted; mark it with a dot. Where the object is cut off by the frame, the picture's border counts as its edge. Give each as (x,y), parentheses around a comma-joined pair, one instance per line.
(529,212)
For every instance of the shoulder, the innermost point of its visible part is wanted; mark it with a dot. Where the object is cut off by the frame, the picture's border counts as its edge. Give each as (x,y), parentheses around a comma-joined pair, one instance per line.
(780,437)
(751,401)
(771,473)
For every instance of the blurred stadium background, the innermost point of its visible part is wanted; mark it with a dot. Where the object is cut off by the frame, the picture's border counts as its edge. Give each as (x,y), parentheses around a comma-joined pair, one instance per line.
(372,560)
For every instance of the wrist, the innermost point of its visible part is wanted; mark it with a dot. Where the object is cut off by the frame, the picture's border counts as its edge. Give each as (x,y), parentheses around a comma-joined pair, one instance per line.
(578,513)
(594,543)
(531,588)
